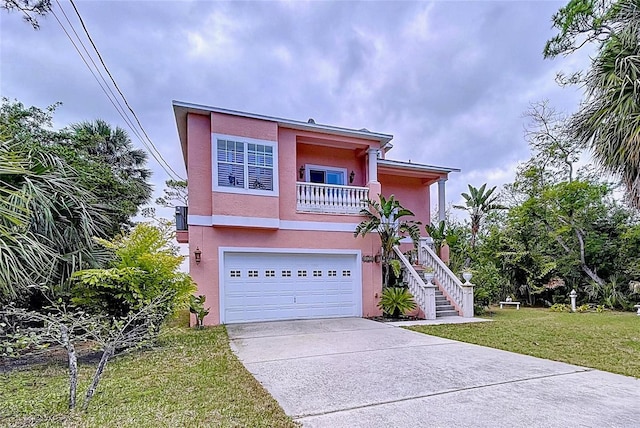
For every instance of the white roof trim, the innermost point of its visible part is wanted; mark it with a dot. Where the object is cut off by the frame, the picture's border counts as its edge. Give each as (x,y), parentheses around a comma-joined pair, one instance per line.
(294,124)
(416,166)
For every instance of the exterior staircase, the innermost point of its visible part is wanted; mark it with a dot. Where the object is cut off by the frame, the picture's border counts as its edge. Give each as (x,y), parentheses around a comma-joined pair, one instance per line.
(434,298)
(444,308)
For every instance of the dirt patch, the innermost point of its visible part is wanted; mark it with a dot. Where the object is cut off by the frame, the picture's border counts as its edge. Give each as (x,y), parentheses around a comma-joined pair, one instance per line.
(56,355)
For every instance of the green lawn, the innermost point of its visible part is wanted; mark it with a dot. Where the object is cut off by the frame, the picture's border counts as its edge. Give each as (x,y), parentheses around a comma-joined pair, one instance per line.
(606,341)
(191,379)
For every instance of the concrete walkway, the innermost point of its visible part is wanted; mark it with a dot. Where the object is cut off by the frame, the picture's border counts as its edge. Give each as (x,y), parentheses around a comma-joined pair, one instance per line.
(353,372)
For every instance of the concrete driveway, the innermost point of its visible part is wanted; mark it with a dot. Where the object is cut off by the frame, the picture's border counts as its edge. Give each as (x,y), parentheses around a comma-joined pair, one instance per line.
(353,372)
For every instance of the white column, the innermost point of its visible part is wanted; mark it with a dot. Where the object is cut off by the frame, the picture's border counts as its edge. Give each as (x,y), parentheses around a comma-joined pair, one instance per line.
(467,300)
(441,199)
(430,296)
(373,164)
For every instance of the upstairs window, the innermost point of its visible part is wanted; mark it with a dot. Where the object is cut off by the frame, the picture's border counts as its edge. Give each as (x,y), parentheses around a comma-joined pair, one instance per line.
(325,174)
(244,165)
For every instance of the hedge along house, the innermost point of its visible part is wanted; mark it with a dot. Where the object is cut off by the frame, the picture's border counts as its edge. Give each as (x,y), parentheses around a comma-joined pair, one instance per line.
(273,204)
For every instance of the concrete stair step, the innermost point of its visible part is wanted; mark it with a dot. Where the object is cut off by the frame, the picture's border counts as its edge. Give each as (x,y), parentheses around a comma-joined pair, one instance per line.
(449,313)
(443,304)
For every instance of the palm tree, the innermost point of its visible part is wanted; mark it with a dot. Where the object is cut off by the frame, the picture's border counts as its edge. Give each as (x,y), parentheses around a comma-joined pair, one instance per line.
(609,119)
(47,221)
(117,172)
(478,204)
(387,218)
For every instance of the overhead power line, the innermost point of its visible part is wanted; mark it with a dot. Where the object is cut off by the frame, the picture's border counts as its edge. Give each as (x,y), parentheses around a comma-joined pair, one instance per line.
(106,88)
(126,113)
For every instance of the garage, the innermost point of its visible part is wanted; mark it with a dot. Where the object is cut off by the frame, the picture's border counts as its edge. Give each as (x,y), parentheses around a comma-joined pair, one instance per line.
(267,286)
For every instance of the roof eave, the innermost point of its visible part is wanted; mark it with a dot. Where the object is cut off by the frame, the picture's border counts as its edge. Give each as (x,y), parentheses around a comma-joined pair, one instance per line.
(180,106)
(416,167)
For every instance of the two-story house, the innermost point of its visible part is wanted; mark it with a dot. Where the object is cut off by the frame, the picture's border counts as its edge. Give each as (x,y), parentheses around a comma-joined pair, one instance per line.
(273,204)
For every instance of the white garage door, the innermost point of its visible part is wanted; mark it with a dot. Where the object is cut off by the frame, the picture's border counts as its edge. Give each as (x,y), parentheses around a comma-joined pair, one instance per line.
(276,286)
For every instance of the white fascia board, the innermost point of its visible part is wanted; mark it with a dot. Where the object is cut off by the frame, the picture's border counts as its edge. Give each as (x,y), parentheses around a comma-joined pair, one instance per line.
(415,166)
(270,223)
(317,226)
(251,222)
(199,220)
(274,250)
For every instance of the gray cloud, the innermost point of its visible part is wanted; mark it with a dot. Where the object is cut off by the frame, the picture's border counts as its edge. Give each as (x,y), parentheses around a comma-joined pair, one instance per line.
(449,79)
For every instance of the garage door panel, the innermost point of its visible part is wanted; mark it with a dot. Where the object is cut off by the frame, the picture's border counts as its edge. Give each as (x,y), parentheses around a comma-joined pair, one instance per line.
(273,286)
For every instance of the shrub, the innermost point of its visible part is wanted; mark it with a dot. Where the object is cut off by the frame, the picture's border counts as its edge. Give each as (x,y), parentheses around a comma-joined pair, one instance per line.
(196,307)
(145,266)
(396,301)
(560,307)
(583,308)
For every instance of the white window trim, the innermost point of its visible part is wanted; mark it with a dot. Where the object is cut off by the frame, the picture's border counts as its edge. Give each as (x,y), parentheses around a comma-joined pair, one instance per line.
(245,140)
(308,167)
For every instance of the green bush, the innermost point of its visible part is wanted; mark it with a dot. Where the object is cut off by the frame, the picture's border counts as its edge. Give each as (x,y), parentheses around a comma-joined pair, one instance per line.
(560,307)
(396,301)
(583,308)
(145,266)
(196,307)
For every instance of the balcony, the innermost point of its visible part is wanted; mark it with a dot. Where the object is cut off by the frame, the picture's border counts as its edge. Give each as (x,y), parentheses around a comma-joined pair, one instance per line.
(330,199)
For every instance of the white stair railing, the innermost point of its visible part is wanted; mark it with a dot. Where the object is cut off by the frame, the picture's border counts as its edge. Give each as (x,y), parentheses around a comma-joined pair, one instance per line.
(460,293)
(423,294)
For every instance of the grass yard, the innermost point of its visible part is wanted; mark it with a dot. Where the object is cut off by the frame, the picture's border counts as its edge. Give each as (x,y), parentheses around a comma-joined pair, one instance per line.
(607,341)
(192,379)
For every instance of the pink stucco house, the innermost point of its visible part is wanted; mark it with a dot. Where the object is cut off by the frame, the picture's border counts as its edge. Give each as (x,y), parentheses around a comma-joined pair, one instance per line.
(273,204)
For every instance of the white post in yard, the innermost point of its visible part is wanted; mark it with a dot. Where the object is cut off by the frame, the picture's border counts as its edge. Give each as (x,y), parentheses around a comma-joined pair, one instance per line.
(573,295)
(441,199)
(467,297)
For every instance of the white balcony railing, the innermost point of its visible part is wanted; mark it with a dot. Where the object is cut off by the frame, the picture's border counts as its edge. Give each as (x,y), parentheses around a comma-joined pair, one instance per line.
(328,198)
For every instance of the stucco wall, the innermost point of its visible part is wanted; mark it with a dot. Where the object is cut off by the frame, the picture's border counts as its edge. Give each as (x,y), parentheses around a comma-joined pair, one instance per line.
(412,194)
(209,239)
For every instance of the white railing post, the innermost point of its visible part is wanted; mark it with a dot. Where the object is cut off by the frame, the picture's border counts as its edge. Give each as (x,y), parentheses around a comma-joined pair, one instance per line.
(430,301)
(467,299)
(424,241)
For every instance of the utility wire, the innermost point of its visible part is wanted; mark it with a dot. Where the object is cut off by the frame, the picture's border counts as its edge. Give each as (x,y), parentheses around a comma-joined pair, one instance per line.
(112,98)
(121,94)
(87,64)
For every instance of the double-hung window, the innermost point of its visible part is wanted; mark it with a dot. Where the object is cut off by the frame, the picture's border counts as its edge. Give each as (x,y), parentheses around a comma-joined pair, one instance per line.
(244,165)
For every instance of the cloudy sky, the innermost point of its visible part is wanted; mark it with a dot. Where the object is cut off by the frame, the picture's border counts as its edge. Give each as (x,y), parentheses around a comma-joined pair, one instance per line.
(449,79)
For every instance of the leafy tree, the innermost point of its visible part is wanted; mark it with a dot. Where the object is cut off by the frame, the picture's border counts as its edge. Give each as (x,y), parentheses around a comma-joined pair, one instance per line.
(103,158)
(145,266)
(608,120)
(564,229)
(389,218)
